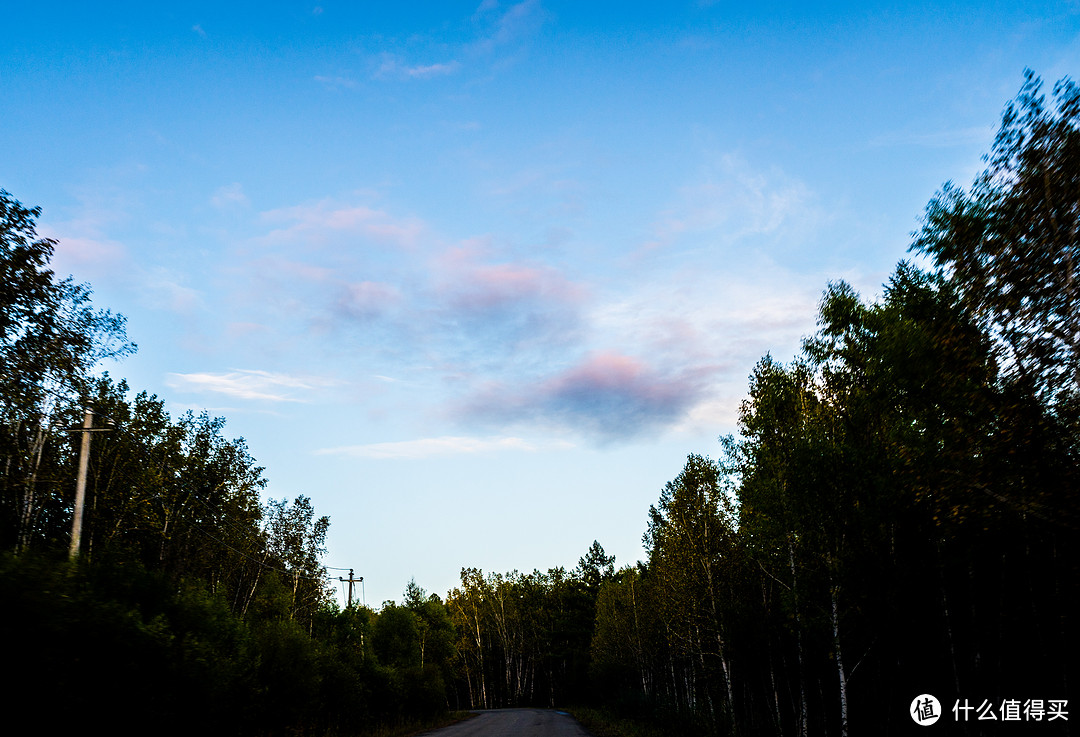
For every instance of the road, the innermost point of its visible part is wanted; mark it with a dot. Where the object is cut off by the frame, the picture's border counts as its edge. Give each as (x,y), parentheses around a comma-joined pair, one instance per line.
(514,723)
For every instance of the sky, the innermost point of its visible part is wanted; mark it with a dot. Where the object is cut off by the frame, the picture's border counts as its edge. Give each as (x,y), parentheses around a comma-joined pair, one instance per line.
(477,277)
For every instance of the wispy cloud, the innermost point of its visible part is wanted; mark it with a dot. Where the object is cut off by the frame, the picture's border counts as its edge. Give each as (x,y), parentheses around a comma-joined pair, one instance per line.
(431,70)
(500,32)
(710,331)
(492,309)
(731,202)
(329,221)
(430,447)
(230,195)
(85,247)
(164,289)
(504,27)
(85,256)
(248,384)
(471,282)
(365,299)
(392,66)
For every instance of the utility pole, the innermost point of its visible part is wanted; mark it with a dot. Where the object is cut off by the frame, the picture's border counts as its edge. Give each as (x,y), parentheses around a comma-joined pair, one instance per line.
(80,484)
(351,581)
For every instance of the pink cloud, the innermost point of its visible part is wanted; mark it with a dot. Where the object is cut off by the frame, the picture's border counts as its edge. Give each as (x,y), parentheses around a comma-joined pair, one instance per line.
(608,395)
(467,284)
(365,299)
(236,330)
(323,221)
(612,382)
(276,267)
(86,255)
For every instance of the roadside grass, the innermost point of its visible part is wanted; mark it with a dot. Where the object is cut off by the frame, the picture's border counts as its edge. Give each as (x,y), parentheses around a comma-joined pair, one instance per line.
(415,729)
(603,723)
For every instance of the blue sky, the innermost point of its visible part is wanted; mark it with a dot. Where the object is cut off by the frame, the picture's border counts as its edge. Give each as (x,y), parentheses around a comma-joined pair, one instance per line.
(477,277)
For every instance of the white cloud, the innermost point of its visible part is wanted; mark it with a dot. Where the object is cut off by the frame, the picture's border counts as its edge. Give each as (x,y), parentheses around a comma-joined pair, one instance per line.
(430,447)
(248,384)
(161,288)
(86,257)
(518,22)
(392,66)
(432,70)
(327,220)
(732,202)
(712,329)
(229,196)
(85,247)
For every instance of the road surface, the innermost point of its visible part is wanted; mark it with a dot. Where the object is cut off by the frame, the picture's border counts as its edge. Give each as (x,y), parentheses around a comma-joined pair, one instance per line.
(514,723)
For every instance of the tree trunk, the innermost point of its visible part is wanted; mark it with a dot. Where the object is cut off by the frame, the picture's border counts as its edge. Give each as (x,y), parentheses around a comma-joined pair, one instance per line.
(803,718)
(29,502)
(834,596)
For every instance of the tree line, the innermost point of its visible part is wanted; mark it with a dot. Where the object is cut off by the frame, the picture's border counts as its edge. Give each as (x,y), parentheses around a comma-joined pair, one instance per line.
(192,603)
(897,516)
(899,513)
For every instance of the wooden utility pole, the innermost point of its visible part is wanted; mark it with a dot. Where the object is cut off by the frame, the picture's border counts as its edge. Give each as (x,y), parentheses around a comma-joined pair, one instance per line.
(351,581)
(80,484)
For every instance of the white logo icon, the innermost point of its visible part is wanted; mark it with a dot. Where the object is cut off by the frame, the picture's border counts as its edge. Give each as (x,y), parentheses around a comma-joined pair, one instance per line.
(925,710)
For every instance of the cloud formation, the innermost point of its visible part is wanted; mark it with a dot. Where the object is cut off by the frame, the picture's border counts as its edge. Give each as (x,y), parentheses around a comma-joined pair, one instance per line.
(504,28)
(392,66)
(467,282)
(733,203)
(230,195)
(509,337)
(492,312)
(365,300)
(164,289)
(327,222)
(607,395)
(247,384)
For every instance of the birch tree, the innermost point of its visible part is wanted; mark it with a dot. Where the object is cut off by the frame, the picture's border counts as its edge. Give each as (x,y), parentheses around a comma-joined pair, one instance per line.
(51,338)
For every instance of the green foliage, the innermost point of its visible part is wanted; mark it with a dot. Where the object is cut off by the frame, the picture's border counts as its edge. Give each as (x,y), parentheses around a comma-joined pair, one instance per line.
(694,565)
(897,516)
(121,646)
(906,488)
(595,567)
(628,645)
(524,639)
(193,606)
(51,338)
(1011,245)
(396,637)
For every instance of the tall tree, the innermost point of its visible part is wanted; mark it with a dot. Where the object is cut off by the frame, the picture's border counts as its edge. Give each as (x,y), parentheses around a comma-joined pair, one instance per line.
(694,558)
(296,540)
(1011,245)
(51,338)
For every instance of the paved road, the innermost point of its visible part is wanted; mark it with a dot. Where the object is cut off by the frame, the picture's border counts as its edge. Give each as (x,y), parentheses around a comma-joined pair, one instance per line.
(514,723)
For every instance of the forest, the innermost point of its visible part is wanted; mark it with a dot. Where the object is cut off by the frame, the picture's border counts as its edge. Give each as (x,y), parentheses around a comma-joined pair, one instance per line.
(897,515)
